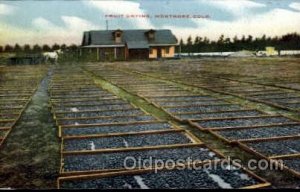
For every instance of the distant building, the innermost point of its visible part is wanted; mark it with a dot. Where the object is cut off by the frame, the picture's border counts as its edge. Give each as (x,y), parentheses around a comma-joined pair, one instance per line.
(128,44)
(270,51)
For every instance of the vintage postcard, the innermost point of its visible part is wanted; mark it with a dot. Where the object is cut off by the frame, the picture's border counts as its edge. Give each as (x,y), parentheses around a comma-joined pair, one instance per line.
(149,94)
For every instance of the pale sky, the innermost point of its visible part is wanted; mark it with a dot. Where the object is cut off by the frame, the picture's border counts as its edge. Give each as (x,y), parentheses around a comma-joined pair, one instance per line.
(64,21)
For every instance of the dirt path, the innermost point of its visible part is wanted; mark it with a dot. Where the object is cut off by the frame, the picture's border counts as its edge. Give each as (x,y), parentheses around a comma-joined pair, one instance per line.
(30,155)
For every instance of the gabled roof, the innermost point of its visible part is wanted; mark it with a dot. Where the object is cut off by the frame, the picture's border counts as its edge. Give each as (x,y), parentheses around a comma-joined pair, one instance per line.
(133,38)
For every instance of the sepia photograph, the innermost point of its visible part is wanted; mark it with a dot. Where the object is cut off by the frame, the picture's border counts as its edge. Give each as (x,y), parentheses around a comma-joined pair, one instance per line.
(149,94)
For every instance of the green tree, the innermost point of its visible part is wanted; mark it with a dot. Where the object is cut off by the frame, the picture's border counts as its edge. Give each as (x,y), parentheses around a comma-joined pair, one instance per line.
(220,43)
(189,44)
(189,40)
(17,48)
(235,39)
(227,40)
(206,45)
(182,46)
(26,48)
(36,48)
(55,47)
(206,40)
(73,47)
(8,48)
(197,40)
(46,48)
(227,44)
(249,39)
(63,46)
(181,42)
(289,41)
(243,40)
(198,44)
(221,40)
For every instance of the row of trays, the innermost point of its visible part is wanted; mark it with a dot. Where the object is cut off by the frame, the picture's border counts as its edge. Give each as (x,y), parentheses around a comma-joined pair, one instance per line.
(98,135)
(17,86)
(225,120)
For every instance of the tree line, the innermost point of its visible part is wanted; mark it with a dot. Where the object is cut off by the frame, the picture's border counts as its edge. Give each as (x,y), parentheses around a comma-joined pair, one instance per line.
(289,41)
(35,48)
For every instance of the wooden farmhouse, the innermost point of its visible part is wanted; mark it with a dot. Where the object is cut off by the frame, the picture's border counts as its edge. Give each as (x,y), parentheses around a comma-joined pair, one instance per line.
(128,44)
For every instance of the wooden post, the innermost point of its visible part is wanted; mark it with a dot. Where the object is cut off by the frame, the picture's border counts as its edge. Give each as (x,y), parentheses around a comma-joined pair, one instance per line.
(125,53)
(97,54)
(115,53)
(179,51)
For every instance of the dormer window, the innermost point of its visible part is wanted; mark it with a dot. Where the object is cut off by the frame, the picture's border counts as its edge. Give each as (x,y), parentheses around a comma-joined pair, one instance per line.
(150,34)
(118,36)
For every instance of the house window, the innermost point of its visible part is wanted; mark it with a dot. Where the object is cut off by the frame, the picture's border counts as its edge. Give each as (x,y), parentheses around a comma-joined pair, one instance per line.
(118,35)
(167,50)
(151,51)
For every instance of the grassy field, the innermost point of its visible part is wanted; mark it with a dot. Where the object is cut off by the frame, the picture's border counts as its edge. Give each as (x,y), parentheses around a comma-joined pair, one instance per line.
(84,113)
